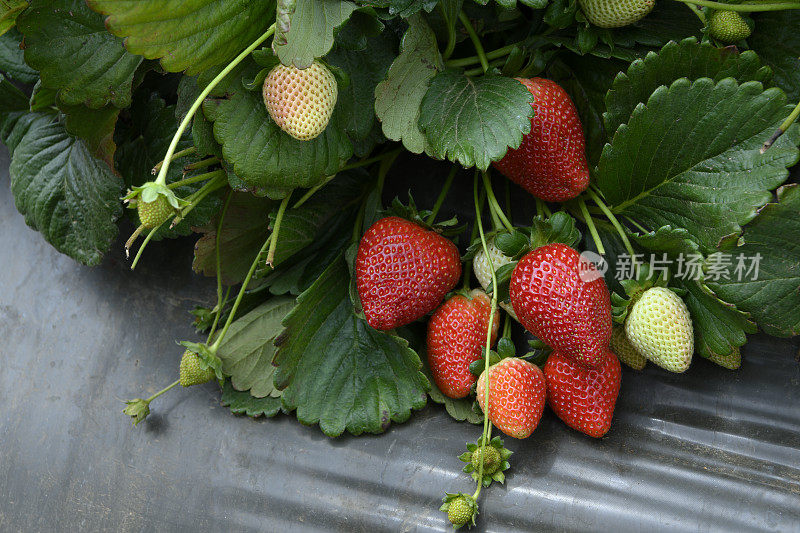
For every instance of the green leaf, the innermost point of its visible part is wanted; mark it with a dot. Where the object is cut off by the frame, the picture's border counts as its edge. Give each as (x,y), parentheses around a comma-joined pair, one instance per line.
(339,372)
(190,35)
(243,403)
(719,328)
(687,59)
(65,193)
(245,228)
(70,47)
(690,158)
(9,9)
(669,240)
(314,24)
(95,127)
(560,227)
(777,41)
(475,121)
(247,349)
(12,58)
(398,98)
(267,159)
(773,299)
(365,69)
(11,98)
(405,8)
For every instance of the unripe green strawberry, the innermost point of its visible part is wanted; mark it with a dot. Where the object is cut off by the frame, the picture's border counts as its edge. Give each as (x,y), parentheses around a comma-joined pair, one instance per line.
(301,101)
(461,511)
(732,361)
(660,328)
(153,214)
(491,459)
(616,13)
(480,264)
(728,27)
(191,373)
(625,351)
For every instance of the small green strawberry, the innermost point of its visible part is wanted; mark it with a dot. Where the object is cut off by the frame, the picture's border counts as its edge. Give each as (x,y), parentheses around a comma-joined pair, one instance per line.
(461,509)
(481,267)
(301,101)
(625,351)
(153,214)
(660,328)
(495,460)
(192,371)
(616,13)
(137,409)
(728,27)
(731,361)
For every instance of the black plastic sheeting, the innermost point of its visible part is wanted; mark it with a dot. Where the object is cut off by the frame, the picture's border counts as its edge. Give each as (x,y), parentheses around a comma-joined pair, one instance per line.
(710,450)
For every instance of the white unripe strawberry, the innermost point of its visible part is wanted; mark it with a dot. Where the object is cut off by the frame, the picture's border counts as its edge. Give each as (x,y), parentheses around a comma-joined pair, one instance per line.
(616,13)
(301,101)
(660,328)
(480,264)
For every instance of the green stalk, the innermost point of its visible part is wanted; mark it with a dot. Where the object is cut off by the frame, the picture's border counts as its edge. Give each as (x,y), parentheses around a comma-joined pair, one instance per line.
(592,229)
(162,391)
(201,164)
(276,230)
(177,155)
(476,42)
(442,195)
(486,427)
(607,212)
(494,205)
(162,174)
(198,197)
(743,8)
(697,11)
(451,33)
(195,179)
(494,54)
(791,119)
(638,226)
(480,70)
(218,261)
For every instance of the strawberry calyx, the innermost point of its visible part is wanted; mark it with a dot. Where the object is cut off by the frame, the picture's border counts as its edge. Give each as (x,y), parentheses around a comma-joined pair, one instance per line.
(206,357)
(409,211)
(461,509)
(634,288)
(149,192)
(495,460)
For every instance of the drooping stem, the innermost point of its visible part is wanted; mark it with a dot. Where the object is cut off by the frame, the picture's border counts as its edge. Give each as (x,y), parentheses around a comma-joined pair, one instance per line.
(476,42)
(743,8)
(276,230)
(176,155)
(638,226)
(791,119)
(239,296)
(201,164)
(451,33)
(162,391)
(195,179)
(494,54)
(199,195)
(220,307)
(162,174)
(442,195)
(494,206)
(607,212)
(218,261)
(486,426)
(592,229)
(144,244)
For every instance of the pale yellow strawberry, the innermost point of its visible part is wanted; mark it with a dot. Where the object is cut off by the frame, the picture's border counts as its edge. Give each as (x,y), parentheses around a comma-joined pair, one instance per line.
(301,101)
(481,267)
(660,328)
(616,13)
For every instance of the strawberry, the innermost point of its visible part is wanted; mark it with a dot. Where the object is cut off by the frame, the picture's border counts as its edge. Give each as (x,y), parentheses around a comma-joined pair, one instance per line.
(556,303)
(301,102)
(461,509)
(625,351)
(728,27)
(403,271)
(660,328)
(583,397)
(516,396)
(480,264)
(456,338)
(192,372)
(616,13)
(153,214)
(550,163)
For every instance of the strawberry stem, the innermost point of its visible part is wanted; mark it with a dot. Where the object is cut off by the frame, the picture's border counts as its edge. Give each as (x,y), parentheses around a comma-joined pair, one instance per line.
(218,261)
(162,391)
(442,195)
(451,33)
(592,229)
(201,164)
(494,206)
(276,230)
(198,196)
(195,179)
(476,42)
(743,8)
(698,12)
(162,174)
(607,212)
(494,54)
(176,155)
(541,206)
(487,430)
(791,119)
(638,226)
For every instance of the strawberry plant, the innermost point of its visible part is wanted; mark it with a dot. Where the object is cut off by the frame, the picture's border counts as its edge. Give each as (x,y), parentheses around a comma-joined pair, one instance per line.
(645,148)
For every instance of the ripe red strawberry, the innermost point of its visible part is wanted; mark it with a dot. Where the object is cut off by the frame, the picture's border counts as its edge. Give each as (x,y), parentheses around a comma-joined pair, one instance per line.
(583,397)
(456,338)
(403,271)
(517,394)
(551,161)
(558,304)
